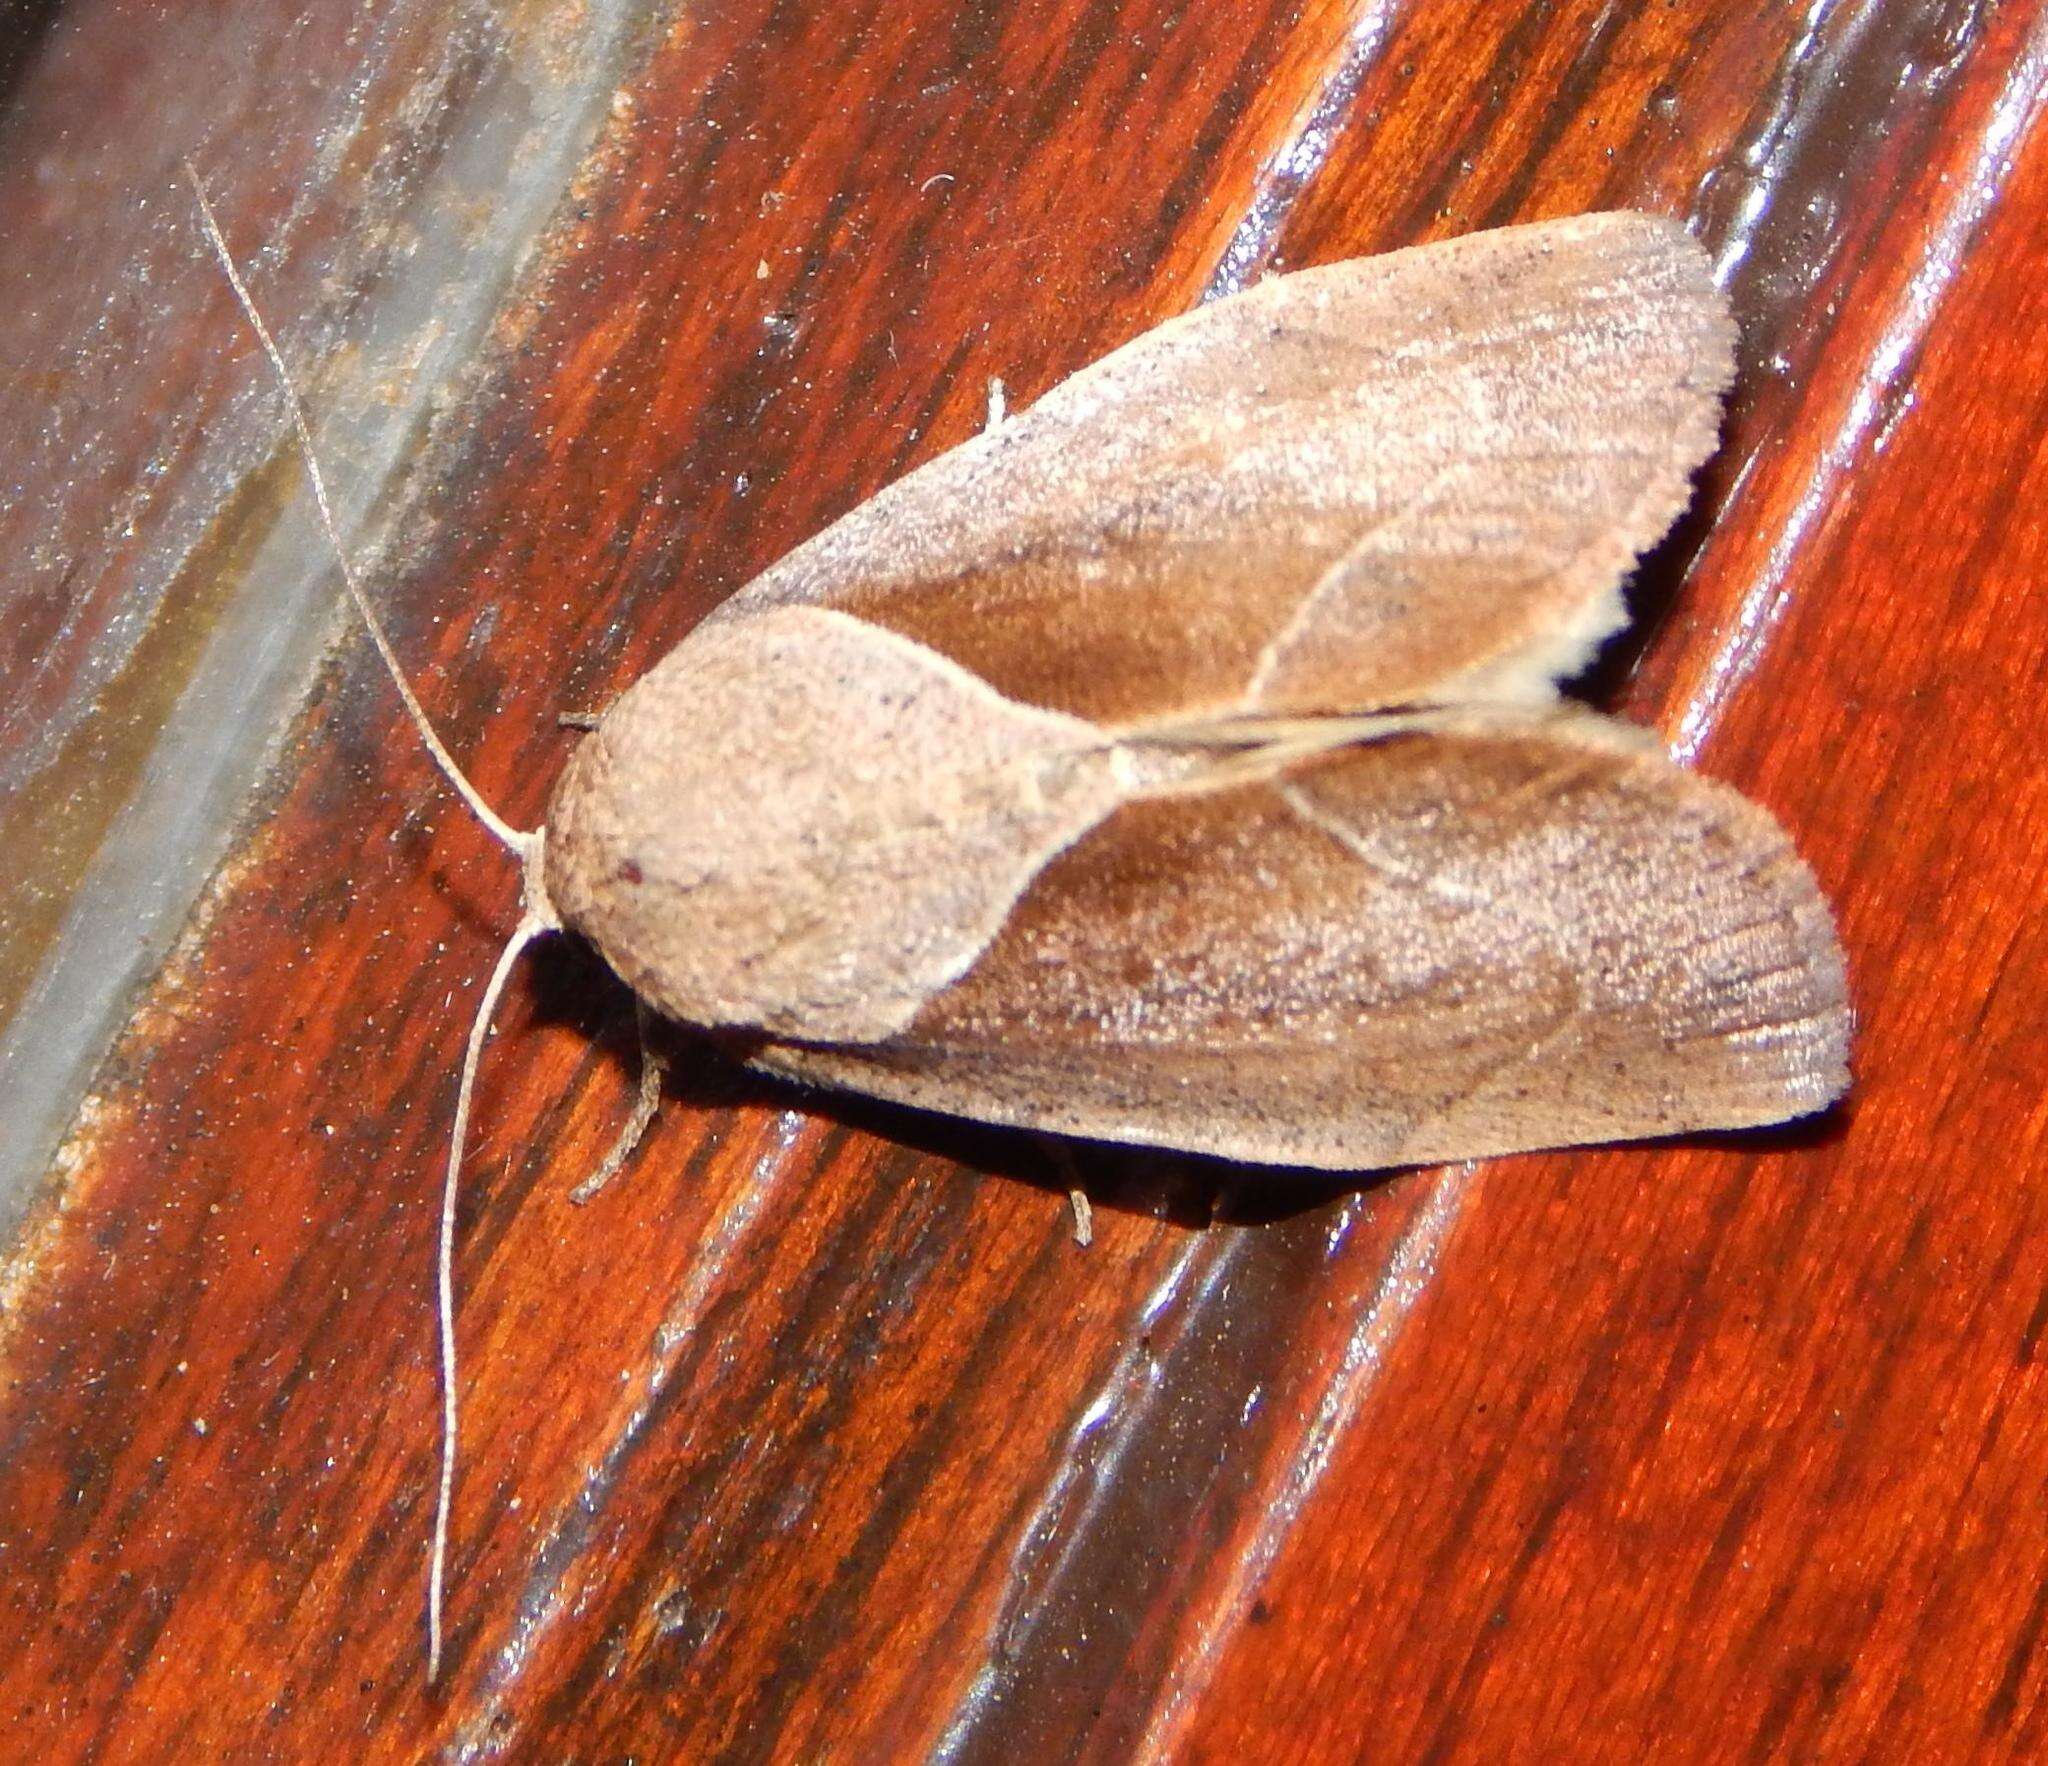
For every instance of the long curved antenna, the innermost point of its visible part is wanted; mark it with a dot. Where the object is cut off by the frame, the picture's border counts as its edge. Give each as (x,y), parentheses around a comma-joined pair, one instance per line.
(528,930)
(518,839)
(537,918)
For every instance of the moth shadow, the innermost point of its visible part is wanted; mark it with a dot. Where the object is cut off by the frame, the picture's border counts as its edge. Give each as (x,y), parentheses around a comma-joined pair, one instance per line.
(1651,591)
(1819,1132)
(1189,1190)
(572,986)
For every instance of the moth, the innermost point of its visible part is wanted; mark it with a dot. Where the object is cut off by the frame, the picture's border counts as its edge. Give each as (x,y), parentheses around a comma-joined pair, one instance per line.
(1183,760)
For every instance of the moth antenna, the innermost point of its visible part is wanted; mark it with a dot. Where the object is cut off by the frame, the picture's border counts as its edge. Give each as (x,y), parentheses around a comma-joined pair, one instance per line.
(521,841)
(537,918)
(529,928)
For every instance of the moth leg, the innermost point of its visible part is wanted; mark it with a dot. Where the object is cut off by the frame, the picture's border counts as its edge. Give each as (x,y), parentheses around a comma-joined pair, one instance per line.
(578,720)
(1077,1198)
(1084,1217)
(652,1066)
(998,407)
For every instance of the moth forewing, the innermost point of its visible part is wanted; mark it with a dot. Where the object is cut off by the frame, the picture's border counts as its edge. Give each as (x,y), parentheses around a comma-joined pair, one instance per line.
(1392,481)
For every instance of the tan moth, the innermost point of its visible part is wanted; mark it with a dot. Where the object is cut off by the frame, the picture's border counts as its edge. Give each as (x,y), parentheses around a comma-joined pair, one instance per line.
(1181,761)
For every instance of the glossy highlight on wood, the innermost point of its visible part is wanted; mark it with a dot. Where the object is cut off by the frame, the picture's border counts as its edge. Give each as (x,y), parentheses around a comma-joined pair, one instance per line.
(814,1435)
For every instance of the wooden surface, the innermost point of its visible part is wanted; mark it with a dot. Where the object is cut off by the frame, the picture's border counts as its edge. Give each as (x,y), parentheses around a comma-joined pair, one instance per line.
(815,1437)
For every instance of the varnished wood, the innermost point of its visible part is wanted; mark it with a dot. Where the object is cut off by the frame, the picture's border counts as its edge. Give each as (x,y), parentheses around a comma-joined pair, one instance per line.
(815,1435)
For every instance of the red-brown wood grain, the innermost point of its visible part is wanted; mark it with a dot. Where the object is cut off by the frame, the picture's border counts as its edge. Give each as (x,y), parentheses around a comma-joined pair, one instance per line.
(815,1436)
